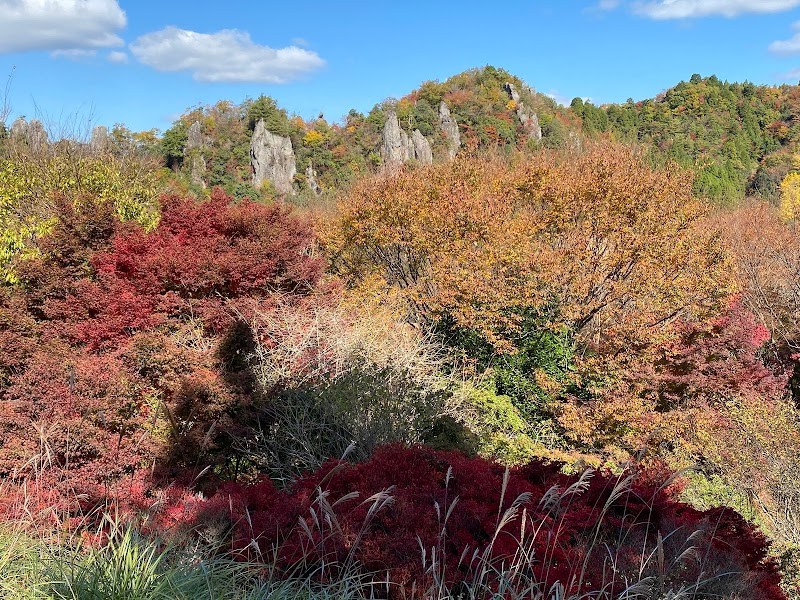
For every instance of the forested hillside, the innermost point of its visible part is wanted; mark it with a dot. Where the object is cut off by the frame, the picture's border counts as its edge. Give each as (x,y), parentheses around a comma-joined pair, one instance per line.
(471,343)
(738,137)
(478,102)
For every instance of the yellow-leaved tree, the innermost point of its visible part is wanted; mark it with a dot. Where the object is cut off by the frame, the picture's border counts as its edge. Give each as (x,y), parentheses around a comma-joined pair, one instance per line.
(790,197)
(31,179)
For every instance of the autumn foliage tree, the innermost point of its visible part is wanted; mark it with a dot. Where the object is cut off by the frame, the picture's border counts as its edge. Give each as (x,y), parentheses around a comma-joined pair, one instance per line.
(125,349)
(616,245)
(33,180)
(610,239)
(766,256)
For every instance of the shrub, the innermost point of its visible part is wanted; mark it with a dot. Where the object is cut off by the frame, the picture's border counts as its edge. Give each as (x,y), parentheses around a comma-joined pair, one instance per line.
(33,183)
(439,522)
(125,347)
(344,380)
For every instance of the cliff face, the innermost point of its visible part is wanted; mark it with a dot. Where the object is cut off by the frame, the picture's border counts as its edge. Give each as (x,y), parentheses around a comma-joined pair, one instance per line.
(528,118)
(398,147)
(449,128)
(272,159)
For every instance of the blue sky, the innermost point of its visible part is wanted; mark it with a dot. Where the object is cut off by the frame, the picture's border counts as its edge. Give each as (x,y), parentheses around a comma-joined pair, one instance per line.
(77,63)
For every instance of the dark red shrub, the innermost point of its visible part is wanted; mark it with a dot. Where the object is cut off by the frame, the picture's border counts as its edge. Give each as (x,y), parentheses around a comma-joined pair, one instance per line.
(716,360)
(123,351)
(585,533)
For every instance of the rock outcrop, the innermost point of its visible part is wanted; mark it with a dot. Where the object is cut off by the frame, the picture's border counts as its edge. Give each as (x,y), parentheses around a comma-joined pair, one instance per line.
(311,179)
(194,136)
(450,129)
(197,169)
(98,143)
(528,118)
(37,136)
(19,130)
(194,156)
(398,147)
(422,148)
(272,159)
(33,134)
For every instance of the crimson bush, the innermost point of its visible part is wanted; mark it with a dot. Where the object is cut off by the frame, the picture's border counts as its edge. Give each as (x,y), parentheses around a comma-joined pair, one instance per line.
(588,533)
(123,350)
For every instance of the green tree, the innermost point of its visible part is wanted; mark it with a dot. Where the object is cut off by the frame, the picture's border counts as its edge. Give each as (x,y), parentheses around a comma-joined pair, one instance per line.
(173,143)
(275,118)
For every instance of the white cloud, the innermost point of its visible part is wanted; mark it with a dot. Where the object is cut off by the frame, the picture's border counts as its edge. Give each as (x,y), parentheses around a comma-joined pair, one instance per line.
(682,9)
(59,24)
(559,98)
(75,54)
(228,55)
(117,57)
(790,46)
(793,75)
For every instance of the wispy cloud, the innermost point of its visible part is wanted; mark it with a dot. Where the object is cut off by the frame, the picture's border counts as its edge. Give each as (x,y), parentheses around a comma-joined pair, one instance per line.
(686,9)
(59,25)
(559,98)
(75,54)
(225,56)
(118,57)
(790,46)
(794,74)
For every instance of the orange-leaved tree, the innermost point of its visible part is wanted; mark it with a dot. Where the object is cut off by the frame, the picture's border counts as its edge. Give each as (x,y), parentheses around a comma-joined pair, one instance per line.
(610,239)
(614,243)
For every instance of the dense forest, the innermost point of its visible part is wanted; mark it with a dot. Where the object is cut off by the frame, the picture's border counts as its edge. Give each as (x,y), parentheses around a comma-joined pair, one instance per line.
(473,344)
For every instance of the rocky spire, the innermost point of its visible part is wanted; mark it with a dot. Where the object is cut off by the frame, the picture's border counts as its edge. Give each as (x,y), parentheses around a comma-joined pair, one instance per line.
(528,118)
(19,130)
(422,148)
(272,159)
(99,141)
(311,179)
(193,153)
(36,134)
(450,129)
(398,147)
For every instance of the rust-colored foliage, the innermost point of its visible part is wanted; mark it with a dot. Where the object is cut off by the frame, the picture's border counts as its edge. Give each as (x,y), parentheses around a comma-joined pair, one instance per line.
(766,252)
(611,240)
(679,390)
(125,350)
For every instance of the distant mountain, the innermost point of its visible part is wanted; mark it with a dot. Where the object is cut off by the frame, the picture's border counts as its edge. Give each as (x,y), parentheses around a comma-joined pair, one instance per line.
(738,138)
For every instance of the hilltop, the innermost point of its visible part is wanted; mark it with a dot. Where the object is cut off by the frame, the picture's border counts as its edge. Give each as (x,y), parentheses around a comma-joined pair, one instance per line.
(738,138)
